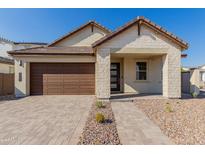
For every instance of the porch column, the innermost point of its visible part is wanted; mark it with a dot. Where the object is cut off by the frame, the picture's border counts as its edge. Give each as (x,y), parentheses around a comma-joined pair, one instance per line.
(103,74)
(171,84)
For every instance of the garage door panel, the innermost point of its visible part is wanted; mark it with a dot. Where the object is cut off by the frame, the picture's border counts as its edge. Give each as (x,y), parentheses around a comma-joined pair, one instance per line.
(53,86)
(53,93)
(65,76)
(62,78)
(53,80)
(70,86)
(52,89)
(79,80)
(53,76)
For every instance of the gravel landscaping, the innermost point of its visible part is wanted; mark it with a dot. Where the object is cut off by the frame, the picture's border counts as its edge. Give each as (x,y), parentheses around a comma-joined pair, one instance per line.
(183,121)
(100,133)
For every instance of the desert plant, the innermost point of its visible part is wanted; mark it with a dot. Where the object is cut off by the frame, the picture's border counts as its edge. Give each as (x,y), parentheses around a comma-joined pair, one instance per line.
(194,95)
(100,118)
(99,104)
(168,108)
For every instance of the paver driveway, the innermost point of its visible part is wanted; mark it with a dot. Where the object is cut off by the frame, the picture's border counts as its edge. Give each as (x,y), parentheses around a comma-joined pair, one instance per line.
(43,119)
(134,127)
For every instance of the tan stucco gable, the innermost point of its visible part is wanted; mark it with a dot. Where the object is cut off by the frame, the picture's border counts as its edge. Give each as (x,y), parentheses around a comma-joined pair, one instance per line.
(139,23)
(83,36)
(130,42)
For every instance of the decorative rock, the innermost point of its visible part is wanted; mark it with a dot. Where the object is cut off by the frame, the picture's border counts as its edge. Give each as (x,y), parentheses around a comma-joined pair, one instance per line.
(185,125)
(100,133)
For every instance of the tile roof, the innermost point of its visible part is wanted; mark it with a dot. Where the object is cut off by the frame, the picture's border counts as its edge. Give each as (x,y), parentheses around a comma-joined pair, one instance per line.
(7,40)
(94,23)
(54,51)
(141,20)
(36,43)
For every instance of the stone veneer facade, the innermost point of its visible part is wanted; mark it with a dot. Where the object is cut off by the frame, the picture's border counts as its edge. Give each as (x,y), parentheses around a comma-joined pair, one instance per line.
(171,59)
(102,73)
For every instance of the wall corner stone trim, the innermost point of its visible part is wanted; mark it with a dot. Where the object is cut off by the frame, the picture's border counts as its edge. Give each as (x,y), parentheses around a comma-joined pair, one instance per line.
(103,73)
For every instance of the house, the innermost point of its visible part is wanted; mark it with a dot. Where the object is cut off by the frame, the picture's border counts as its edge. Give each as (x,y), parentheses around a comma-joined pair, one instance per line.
(193,79)
(6,62)
(198,77)
(6,65)
(139,57)
(8,45)
(202,76)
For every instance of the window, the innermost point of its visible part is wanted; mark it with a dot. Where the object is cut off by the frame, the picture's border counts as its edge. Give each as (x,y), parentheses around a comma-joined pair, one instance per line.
(141,71)
(20,77)
(20,63)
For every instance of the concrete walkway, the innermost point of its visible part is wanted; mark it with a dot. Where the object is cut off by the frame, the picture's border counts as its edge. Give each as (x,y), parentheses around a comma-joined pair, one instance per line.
(44,119)
(134,127)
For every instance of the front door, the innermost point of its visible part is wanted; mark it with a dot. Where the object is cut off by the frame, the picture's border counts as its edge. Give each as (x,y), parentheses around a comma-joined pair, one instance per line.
(115,76)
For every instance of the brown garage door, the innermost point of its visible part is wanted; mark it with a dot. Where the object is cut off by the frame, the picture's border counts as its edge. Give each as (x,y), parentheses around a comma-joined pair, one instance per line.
(62,78)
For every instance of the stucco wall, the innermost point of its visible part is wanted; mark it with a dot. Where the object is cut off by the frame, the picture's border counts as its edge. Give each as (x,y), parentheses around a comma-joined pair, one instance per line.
(130,39)
(202,78)
(6,68)
(195,81)
(150,42)
(202,75)
(22,87)
(153,84)
(84,37)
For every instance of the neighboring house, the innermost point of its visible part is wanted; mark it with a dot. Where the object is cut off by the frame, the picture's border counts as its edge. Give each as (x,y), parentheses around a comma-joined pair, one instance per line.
(8,45)
(139,57)
(199,75)
(193,79)
(6,64)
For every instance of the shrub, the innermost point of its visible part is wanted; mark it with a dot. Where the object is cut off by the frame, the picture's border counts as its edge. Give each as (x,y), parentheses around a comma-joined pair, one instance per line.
(194,95)
(168,108)
(100,118)
(99,104)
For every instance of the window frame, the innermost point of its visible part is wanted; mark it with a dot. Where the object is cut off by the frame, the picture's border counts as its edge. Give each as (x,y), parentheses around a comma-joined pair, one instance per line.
(20,76)
(146,71)
(21,63)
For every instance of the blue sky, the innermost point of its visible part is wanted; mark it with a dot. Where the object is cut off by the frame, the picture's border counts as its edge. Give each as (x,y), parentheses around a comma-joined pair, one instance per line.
(45,25)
